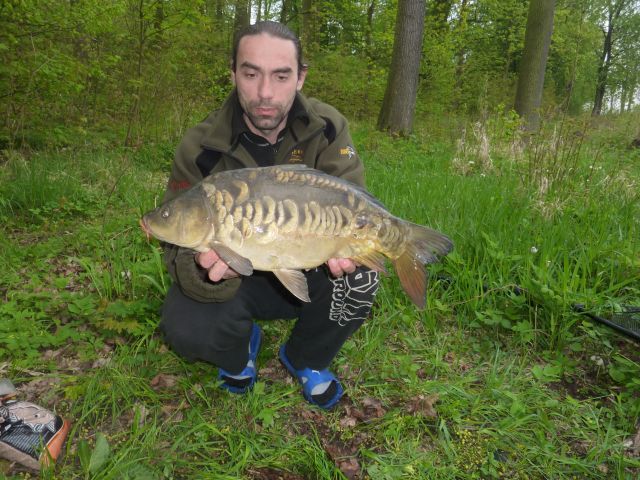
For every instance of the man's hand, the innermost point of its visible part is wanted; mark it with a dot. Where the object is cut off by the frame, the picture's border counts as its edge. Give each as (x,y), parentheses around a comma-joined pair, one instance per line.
(217,268)
(340,266)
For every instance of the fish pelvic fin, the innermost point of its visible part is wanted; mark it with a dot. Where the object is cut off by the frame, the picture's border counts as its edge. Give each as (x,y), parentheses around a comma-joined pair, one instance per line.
(424,246)
(372,260)
(237,262)
(295,282)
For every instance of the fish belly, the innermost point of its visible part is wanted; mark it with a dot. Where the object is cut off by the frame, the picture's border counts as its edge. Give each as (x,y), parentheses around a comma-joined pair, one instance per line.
(296,253)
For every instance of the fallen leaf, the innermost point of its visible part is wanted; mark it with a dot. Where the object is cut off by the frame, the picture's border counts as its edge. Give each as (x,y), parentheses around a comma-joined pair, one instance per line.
(52,354)
(351,411)
(172,412)
(373,407)
(348,422)
(100,362)
(43,391)
(311,414)
(350,467)
(423,405)
(162,380)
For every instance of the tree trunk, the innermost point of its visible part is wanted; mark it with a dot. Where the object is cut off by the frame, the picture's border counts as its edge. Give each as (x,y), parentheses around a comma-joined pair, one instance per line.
(286,11)
(605,58)
(399,101)
(134,111)
(242,14)
(603,71)
(368,48)
(534,61)
(460,56)
(309,37)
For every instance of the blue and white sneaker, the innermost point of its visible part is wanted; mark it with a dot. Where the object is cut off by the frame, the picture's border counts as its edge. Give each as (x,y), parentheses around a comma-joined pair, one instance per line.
(319,387)
(246,379)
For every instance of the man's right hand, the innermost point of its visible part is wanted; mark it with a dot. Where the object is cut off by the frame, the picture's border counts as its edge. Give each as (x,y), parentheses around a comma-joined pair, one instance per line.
(216,267)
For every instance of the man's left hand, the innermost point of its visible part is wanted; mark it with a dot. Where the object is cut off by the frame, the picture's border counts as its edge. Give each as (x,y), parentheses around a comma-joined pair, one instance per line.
(341,266)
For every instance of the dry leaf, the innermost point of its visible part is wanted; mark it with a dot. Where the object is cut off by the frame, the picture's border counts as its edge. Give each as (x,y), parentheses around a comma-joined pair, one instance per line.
(373,407)
(422,405)
(348,422)
(350,467)
(163,380)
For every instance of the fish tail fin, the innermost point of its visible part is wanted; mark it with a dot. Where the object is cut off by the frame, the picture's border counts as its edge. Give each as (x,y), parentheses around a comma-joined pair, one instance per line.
(424,246)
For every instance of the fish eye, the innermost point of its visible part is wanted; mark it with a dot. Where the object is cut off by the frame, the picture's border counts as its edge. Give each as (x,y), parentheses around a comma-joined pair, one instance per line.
(165,213)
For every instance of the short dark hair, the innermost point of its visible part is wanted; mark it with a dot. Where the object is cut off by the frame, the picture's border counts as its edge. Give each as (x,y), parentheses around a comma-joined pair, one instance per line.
(275,29)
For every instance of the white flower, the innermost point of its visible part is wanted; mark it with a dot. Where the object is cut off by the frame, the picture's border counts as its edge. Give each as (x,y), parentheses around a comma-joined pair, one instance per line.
(534,249)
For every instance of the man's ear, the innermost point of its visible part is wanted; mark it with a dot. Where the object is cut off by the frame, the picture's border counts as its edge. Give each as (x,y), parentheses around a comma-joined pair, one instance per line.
(302,74)
(232,70)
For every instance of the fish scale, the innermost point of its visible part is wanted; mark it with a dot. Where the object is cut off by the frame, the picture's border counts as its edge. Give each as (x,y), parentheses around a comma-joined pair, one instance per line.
(286,219)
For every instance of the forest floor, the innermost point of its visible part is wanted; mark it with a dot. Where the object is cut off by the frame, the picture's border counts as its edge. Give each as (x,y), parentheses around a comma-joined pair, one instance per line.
(484,383)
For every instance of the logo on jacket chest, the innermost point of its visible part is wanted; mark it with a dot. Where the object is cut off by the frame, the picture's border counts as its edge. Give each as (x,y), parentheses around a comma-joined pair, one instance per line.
(297,155)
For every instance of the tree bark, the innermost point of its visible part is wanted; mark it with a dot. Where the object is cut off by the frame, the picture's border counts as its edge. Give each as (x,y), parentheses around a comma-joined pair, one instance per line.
(605,58)
(534,62)
(368,48)
(242,14)
(398,106)
(286,11)
(460,56)
(309,33)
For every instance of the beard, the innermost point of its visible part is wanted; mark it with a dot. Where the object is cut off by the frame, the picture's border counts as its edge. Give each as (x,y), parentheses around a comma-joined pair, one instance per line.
(264,123)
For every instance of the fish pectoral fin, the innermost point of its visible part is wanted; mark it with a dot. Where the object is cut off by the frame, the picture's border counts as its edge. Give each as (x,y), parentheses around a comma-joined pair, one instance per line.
(237,262)
(295,282)
(372,260)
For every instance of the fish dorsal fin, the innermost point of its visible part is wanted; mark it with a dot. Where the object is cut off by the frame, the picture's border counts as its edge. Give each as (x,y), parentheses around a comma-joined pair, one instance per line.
(346,184)
(295,282)
(237,262)
(372,260)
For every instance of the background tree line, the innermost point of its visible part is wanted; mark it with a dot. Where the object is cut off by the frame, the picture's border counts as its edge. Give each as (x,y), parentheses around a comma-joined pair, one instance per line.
(152,67)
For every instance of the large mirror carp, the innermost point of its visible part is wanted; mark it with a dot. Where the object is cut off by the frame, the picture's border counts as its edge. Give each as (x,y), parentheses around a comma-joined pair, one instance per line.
(285,219)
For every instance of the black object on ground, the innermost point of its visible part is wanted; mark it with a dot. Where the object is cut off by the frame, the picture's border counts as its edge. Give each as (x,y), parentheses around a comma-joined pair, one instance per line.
(626,321)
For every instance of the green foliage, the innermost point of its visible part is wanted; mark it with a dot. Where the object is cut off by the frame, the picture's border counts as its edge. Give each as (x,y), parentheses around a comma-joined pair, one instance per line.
(93,460)
(524,384)
(154,68)
(496,378)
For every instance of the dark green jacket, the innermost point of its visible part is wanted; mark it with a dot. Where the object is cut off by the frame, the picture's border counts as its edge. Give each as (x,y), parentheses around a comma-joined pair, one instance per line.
(316,135)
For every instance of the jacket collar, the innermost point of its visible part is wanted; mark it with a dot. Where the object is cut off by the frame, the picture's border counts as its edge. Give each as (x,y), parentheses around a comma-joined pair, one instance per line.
(224,132)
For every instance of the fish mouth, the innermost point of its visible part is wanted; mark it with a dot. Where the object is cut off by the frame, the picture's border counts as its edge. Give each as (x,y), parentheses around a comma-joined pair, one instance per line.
(145,228)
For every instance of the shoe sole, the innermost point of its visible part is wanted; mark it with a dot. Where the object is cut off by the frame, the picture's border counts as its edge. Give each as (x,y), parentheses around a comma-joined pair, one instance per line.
(47,457)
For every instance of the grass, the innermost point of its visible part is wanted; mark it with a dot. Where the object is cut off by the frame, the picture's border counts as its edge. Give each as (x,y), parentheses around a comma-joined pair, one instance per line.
(489,381)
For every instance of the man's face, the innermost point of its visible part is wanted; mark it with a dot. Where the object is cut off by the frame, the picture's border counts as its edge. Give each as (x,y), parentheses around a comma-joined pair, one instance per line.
(267,80)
